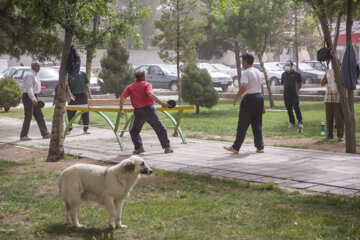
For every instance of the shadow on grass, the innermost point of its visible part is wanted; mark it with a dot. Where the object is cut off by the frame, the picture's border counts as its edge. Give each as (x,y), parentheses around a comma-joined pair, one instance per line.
(62,229)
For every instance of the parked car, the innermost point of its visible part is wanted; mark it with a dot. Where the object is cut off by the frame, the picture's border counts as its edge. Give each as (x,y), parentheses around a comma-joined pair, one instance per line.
(94,85)
(308,74)
(10,70)
(225,69)
(161,75)
(48,77)
(219,79)
(1,76)
(273,70)
(316,65)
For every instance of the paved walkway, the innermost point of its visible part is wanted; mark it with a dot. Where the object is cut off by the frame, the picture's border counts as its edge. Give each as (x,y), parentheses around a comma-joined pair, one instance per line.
(317,171)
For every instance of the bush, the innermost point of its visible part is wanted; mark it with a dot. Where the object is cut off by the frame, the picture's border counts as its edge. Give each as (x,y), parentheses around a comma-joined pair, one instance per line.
(116,72)
(10,93)
(197,88)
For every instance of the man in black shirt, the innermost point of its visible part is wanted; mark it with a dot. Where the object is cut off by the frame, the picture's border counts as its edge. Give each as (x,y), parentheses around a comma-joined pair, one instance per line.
(292,84)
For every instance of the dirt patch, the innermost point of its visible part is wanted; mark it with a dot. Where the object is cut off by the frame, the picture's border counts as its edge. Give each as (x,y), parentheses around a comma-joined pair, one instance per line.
(17,153)
(14,217)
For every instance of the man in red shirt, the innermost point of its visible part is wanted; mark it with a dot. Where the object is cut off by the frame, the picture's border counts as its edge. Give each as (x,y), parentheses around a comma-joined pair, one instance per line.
(142,100)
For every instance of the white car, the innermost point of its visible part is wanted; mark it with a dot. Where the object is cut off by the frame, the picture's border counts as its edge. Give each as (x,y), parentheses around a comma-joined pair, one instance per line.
(219,79)
(1,76)
(225,69)
(273,70)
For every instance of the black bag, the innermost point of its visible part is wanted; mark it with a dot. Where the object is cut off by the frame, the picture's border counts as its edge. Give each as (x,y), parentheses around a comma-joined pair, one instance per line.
(324,54)
(74,61)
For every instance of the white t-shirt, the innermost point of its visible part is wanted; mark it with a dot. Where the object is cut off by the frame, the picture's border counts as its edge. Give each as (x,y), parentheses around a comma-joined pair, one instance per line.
(252,77)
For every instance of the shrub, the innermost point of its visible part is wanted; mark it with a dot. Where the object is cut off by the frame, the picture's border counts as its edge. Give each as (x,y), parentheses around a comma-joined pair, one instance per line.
(10,93)
(197,88)
(116,72)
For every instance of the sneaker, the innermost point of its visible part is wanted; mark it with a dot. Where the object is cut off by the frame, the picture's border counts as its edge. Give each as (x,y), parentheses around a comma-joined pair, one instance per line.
(300,128)
(86,132)
(168,150)
(25,138)
(291,125)
(340,139)
(139,150)
(47,136)
(260,150)
(231,149)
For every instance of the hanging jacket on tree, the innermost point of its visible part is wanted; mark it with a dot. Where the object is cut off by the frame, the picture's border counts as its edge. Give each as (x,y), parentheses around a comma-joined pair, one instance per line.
(349,68)
(74,61)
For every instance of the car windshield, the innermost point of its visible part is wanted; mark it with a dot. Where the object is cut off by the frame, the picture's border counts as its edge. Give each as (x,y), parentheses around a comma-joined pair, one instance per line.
(305,67)
(273,67)
(83,69)
(48,73)
(169,69)
(206,66)
(221,67)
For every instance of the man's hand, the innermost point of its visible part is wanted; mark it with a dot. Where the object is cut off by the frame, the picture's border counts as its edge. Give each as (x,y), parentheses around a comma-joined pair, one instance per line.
(90,97)
(234,102)
(35,102)
(164,104)
(122,115)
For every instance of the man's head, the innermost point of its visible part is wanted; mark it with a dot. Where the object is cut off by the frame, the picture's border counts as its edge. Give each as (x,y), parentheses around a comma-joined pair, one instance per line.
(288,66)
(35,65)
(247,60)
(140,75)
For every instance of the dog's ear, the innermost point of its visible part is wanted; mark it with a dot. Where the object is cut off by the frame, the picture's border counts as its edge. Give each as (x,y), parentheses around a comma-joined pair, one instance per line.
(130,166)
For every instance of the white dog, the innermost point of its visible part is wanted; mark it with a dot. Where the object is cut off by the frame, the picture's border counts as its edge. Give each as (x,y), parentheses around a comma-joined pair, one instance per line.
(108,186)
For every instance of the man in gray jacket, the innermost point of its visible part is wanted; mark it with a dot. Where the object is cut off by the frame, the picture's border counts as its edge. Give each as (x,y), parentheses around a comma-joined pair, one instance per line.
(31,89)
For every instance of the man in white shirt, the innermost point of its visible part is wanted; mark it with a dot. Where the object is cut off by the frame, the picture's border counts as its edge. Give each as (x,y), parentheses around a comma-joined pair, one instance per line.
(251,107)
(31,88)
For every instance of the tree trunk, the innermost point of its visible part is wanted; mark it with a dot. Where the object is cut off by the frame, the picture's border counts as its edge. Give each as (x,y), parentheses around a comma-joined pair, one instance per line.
(197,109)
(345,102)
(178,51)
(271,98)
(56,148)
(238,62)
(89,59)
(337,31)
(296,43)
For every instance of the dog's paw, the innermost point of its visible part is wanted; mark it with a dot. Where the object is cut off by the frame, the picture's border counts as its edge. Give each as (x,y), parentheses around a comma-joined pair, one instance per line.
(81,226)
(122,226)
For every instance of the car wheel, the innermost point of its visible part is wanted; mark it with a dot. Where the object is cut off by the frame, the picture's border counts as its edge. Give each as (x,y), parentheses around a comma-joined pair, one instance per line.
(225,88)
(173,86)
(308,80)
(274,82)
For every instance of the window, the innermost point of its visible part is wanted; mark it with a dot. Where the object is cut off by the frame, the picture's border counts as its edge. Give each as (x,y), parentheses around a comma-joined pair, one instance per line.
(156,70)
(18,74)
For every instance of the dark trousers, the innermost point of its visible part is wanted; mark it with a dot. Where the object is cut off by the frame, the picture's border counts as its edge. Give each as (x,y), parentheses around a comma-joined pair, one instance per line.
(149,115)
(79,99)
(251,109)
(334,111)
(290,104)
(29,111)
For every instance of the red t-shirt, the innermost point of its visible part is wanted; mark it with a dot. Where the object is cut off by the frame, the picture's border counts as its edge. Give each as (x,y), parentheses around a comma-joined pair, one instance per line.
(138,92)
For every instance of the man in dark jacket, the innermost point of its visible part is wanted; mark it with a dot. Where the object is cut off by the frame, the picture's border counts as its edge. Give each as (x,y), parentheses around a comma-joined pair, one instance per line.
(292,83)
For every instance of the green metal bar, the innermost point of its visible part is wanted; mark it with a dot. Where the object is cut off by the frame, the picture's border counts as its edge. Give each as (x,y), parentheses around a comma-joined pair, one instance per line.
(128,120)
(176,123)
(113,128)
(117,122)
(69,123)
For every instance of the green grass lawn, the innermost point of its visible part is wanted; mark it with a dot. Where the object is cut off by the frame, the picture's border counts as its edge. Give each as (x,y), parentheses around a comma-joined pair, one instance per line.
(173,206)
(222,119)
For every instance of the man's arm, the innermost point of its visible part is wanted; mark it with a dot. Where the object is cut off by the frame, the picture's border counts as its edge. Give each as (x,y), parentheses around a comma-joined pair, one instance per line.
(122,100)
(240,92)
(157,100)
(87,86)
(324,81)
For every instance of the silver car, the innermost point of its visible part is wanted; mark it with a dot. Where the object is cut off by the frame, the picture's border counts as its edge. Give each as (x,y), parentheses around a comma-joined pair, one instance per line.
(219,79)
(161,75)
(48,77)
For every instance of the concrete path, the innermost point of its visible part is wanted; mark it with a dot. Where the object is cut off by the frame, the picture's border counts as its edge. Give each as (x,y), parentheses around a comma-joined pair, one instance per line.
(309,170)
